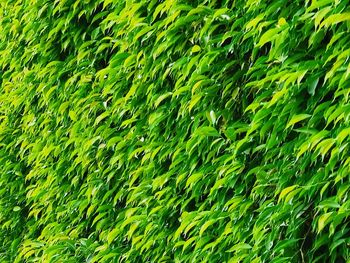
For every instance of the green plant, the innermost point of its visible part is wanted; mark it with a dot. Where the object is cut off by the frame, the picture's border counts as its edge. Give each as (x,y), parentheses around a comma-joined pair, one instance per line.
(174,131)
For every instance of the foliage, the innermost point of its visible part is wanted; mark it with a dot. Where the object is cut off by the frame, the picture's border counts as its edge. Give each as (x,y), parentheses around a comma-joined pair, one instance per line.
(174,131)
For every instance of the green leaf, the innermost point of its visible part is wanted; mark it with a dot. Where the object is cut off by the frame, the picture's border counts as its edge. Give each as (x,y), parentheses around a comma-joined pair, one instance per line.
(193,178)
(207,131)
(205,226)
(73,115)
(323,220)
(16,209)
(297,118)
(195,49)
(112,235)
(268,36)
(101,117)
(342,135)
(328,204)
(335,19)
(239,247)
(286,191)
(161,98)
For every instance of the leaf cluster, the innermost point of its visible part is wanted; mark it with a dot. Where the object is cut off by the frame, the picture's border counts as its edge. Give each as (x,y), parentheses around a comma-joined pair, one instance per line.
(174,131)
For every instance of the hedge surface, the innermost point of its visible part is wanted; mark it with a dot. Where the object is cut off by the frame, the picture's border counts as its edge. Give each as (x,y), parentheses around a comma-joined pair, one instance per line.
(174,131)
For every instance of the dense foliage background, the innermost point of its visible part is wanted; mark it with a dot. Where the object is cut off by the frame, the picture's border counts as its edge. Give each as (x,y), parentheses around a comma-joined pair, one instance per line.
(174,131)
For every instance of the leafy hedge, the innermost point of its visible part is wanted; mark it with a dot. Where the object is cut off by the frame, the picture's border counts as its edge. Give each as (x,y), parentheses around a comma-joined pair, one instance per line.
(174,131)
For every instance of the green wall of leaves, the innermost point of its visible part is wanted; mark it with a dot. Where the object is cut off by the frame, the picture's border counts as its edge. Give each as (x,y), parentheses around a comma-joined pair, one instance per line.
(174,131)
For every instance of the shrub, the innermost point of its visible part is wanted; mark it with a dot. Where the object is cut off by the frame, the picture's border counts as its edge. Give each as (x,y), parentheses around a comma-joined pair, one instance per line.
(174,131)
